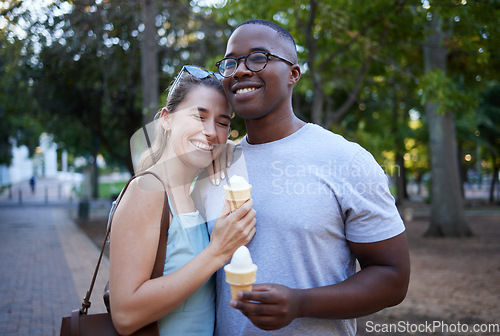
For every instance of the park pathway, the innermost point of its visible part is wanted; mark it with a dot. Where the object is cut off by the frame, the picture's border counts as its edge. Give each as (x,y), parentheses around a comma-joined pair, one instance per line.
(46,262)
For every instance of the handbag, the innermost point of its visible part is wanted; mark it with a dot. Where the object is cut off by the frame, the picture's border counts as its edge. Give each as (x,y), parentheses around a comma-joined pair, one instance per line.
(80,323)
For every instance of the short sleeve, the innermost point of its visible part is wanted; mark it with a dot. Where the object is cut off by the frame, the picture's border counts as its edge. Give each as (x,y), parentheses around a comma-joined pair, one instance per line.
(369,208)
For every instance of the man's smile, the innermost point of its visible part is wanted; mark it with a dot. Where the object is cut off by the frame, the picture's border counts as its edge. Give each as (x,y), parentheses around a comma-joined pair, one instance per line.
(245,90)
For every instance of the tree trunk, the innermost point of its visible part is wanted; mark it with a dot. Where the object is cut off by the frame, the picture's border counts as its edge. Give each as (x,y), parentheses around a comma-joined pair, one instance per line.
(401,194)
(149,61)
(447,204)
(493,181)
(462,169)
(317,106)
(314,72)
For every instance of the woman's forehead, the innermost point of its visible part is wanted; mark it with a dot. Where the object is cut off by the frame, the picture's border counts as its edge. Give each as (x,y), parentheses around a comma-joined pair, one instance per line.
(205,99)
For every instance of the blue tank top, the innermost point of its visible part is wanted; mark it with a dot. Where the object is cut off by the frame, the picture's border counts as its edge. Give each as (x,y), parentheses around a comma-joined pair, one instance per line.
(187,237)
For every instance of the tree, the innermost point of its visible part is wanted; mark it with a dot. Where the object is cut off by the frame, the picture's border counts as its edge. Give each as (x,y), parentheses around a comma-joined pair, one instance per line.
(87,81)
(361,66)
(149,59)
(447,207)
(16,125)
(87,75)
(11,5)
(454,62)
(337,45)
(489,132)
(348,52)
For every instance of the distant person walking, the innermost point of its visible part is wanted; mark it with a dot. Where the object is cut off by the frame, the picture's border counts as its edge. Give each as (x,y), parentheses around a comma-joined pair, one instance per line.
(33,184)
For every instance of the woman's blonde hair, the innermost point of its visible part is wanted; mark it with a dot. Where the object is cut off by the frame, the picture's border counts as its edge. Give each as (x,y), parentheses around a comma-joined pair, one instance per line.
(175,97)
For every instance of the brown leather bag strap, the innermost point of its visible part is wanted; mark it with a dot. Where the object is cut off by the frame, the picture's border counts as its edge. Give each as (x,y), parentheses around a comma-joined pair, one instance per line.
(161,253)
(162,242)
(75,323)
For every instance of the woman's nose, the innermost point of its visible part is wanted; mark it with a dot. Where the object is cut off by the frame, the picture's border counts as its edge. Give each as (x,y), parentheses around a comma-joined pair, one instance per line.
(209,130)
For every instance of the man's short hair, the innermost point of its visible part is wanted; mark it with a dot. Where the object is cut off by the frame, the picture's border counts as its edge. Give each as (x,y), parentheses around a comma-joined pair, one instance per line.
(282,32)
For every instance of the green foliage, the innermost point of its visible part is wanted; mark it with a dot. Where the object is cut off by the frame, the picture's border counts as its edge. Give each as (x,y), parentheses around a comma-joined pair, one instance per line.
(16,121)
(362,68)
(488,116)
(110,190)
(91,106)
(438,88)
(87,74)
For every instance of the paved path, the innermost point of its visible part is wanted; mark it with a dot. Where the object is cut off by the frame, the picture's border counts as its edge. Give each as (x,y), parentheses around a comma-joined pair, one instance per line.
(46,264)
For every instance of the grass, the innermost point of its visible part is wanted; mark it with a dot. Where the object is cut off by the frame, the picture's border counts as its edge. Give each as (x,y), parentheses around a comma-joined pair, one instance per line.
(110,190)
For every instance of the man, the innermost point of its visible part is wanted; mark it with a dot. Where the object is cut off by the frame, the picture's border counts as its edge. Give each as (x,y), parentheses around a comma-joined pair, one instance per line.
(322,202)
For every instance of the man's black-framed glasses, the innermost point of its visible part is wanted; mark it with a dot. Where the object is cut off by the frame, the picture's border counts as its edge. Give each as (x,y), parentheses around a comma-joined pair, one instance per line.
(255,61)
(195,71)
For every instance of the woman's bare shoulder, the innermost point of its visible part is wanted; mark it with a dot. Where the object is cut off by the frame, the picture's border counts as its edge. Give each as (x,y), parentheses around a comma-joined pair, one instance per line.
(143,198)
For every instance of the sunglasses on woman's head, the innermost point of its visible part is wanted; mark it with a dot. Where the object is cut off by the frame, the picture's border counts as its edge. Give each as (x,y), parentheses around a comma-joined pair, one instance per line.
(195,71)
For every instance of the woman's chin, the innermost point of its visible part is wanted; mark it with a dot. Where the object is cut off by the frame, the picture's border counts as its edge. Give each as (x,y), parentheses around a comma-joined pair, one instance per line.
(199,162)
(200,159)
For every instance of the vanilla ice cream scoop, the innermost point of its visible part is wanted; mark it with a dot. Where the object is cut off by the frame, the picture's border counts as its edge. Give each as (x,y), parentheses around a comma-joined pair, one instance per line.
(241,260)
(238,183)
(241,272)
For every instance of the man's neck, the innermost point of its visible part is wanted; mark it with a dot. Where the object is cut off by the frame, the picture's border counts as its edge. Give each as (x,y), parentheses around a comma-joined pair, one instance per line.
(270,129)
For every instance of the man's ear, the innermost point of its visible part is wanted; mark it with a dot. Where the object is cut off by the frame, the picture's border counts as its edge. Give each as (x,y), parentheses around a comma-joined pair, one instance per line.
(295,74)
(165,119)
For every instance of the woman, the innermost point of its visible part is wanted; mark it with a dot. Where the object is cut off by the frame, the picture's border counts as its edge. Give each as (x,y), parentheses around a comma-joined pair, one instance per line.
(193,130)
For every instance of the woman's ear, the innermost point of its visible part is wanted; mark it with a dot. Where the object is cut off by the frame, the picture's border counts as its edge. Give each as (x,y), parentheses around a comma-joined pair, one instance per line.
(165,119)
(295,74)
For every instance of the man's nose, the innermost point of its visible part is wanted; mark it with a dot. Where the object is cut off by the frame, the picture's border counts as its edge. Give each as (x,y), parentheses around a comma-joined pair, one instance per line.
(241,69)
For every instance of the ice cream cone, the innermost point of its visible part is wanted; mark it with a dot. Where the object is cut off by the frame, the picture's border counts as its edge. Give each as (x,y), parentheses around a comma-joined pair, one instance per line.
(235,289)
(237,191)
(240,281)
(237,198)
(241,272)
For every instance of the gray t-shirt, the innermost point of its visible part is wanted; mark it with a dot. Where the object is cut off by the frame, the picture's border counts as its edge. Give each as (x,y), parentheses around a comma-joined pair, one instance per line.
(312,191)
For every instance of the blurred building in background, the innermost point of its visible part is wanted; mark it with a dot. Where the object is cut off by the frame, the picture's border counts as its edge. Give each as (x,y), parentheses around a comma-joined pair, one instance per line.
(43,163)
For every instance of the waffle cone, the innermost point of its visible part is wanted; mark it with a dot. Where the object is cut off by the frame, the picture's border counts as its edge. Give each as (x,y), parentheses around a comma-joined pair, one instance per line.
(240,281)
(235,204)
(237,197)
(235,289)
